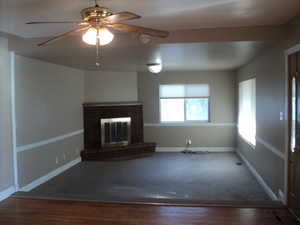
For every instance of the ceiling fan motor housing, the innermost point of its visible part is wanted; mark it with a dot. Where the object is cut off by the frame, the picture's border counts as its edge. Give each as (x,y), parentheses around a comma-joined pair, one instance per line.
(93,14)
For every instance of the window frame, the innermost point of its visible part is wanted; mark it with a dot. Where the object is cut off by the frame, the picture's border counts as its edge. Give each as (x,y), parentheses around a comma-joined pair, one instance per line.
(185,121)
(253,146)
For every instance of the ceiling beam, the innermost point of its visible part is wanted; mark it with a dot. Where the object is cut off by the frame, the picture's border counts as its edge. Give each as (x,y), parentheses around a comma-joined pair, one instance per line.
(259,33)
(205,35)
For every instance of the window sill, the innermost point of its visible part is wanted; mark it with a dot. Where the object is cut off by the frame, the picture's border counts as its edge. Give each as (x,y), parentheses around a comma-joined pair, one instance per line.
(189,124)
(247,142)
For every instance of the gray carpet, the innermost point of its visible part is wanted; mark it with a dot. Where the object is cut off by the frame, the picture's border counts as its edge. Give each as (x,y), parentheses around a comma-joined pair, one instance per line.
(162,178)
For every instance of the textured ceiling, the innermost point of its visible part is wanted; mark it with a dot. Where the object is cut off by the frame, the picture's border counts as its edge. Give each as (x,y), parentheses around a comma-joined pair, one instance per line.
(183,56)
(163,14)
(126,53)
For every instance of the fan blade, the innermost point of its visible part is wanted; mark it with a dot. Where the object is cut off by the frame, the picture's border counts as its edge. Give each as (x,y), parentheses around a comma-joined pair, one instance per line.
(144,30)
(59,22)
(119,17)
(61,36)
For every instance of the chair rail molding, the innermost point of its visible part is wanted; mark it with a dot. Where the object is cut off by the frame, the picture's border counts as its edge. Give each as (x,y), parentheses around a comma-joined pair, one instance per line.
(271,148)
(48,141)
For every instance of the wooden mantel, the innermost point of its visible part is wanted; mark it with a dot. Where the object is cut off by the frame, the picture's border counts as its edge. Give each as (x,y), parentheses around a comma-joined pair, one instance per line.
(94,112)
(103,104)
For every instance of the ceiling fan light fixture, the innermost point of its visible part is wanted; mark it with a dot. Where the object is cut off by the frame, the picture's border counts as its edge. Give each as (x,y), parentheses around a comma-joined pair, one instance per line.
(91,35)
(154,67)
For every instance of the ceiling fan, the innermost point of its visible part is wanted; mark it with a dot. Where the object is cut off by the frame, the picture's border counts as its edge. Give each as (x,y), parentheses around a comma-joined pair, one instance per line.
(97,22)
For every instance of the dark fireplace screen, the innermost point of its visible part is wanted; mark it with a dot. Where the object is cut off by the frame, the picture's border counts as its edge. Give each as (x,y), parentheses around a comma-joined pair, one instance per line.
(115,131)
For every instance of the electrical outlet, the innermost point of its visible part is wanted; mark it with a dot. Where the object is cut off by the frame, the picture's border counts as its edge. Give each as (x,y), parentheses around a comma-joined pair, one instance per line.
(188,141)
(56,160)
(281,116)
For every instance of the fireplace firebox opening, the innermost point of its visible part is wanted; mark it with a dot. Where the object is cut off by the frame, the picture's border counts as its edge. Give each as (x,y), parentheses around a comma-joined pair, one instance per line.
(115,131)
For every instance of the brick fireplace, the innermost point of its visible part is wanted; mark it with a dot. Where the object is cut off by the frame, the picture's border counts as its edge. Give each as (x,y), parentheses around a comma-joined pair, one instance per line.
(114,130)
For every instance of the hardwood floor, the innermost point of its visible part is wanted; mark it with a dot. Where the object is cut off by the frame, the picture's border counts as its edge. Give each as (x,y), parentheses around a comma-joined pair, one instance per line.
(18,211)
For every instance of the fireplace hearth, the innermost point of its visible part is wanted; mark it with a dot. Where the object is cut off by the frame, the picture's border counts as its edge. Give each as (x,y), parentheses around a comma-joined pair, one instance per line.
(114,131)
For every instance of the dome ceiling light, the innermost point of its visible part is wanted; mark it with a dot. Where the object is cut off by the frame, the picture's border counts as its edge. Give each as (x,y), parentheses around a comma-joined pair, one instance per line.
(154,67)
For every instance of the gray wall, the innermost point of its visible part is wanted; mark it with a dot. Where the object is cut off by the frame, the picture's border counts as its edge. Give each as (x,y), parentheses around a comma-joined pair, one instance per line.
(269,70)
(294,32)
(222,88)
(201,136)
(104,86)
(48,105)
(6,151)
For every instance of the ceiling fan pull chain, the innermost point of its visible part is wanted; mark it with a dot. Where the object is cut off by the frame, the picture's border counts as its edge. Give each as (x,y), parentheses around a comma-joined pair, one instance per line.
(98,49)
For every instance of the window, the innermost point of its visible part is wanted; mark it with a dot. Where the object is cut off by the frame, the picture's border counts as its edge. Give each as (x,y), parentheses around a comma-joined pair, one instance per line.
(247,111)
(180,103)
(294,114)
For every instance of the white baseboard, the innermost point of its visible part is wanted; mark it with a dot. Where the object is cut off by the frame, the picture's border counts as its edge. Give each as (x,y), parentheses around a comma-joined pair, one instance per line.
(282,197)
(50,175)
(259,179)
(196,149)
(7,192)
